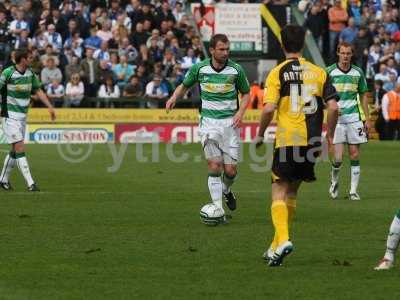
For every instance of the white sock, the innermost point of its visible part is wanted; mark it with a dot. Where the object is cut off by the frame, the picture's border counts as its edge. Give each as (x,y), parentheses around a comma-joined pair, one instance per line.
(9,164)
(227,183)
(355,178)
(335,171)
(393,239)
(215,187)
(23,166)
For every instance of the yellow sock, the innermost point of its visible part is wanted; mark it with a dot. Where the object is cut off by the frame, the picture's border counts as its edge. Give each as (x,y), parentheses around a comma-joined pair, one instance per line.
(279,212)
(291,204)
(274,243)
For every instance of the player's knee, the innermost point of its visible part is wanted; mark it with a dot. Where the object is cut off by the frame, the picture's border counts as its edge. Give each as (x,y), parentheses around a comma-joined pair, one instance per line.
(215,166)
(354,154)
(230,171)
(280,190)
(18,147)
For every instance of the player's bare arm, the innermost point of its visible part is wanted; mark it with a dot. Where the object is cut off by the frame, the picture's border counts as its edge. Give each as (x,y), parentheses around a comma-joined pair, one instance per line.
(178,93)
(365,101)
(45,100)
(266,117)
(237,119)
(332,117)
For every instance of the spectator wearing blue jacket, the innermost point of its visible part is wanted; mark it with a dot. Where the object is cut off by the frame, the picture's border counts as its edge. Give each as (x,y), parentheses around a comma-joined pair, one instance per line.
(390,26)
(349,34)
(93,41)
(354,11)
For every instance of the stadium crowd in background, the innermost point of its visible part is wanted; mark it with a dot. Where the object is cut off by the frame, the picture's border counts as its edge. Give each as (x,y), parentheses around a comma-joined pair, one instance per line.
(104,49)
(131,42)
(372,27)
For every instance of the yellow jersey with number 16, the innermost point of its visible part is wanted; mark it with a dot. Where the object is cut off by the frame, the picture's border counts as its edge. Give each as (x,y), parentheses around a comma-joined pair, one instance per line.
(299,89)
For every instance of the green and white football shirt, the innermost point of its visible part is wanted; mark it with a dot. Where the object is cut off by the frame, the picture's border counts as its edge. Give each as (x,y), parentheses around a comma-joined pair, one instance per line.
(16,90)
(219,89)
(348,86)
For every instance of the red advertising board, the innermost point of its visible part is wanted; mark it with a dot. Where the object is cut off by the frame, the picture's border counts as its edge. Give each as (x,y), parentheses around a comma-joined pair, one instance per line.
(170,132)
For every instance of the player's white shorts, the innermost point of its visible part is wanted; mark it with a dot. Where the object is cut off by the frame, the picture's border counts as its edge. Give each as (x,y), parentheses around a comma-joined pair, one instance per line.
(14,130)
(226,139)
(350,133)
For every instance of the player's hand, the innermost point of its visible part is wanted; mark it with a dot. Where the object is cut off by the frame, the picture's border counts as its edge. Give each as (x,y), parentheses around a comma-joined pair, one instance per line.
(237,120)
(367,126)
(52,114)
(259,140)
(170,104)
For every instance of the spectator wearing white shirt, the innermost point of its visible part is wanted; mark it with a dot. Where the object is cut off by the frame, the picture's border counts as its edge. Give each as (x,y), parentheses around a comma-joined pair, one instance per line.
(374,55)
(382,75)
(18,24)
(75,43)
(55,91)
(155,92)
(391,66)
(53,37)
(108,91)
(74,91)
(124,20)
(178,11)
(375,52)
(189,60)
(155,35)
(50,72)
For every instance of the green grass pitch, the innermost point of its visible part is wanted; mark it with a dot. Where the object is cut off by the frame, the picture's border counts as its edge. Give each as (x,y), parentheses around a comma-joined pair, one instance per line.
(136,234)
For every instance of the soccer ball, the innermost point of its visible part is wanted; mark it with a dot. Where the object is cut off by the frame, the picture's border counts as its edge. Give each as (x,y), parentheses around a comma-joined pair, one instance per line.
(211,215)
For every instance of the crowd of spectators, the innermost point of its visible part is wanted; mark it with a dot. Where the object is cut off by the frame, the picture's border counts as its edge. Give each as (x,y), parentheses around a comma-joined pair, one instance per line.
(106,49)
(373,28)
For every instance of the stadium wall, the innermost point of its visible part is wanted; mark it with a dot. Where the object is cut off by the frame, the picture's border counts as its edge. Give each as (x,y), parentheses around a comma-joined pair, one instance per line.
(96,126)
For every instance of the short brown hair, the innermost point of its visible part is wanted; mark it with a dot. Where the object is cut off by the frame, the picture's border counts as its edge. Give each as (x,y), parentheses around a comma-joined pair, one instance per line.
(218,38)
(20,54)
(346,45)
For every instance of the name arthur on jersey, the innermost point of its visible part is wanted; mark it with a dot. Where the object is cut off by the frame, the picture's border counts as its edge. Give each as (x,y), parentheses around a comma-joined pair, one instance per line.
(298,73)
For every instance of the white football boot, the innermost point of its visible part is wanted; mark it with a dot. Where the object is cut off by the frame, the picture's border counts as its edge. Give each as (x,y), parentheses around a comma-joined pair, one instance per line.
(334,190)
(354,197)
(280,253)
(384,264)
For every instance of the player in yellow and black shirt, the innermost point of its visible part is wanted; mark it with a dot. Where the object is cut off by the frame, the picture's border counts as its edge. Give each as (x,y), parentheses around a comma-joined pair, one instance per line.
(298,91)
